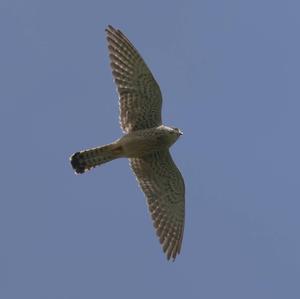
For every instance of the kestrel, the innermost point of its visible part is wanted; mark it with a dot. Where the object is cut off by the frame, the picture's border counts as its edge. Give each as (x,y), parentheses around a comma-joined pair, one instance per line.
(145,142)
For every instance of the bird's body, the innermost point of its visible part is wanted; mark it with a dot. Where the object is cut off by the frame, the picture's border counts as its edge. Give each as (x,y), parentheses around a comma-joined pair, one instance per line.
(140,143)
(146,142)
(135,144)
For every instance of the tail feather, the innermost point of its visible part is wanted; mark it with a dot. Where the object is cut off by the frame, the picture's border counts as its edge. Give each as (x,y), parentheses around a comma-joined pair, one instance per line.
(88,159)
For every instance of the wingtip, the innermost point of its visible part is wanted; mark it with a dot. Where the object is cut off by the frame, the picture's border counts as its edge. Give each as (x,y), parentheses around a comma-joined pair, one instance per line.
(171,257)
(109,28)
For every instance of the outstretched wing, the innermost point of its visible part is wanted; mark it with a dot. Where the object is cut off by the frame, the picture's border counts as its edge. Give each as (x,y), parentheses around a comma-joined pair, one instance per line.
(164,188)
(139,95)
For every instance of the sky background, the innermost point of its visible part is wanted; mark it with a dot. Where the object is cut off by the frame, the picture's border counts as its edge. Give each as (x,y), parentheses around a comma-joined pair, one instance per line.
(229,74)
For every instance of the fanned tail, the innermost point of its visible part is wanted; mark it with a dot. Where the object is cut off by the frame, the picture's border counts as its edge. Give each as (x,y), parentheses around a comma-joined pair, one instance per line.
(88,159)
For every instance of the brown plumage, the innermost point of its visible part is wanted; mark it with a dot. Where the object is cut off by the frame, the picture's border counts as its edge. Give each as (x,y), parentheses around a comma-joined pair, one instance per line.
(146,142)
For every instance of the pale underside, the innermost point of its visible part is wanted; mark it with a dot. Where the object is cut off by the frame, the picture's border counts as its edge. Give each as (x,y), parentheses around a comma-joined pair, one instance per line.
(140,103)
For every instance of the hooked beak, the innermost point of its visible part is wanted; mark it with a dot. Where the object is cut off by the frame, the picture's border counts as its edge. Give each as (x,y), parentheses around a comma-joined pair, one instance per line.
(180,132)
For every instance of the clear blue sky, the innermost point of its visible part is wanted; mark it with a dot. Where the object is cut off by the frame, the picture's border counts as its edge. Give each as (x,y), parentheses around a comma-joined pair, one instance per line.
(229,74)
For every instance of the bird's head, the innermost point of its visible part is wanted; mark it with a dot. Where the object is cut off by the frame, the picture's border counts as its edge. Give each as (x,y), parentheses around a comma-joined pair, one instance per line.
(176,131)
(172,133)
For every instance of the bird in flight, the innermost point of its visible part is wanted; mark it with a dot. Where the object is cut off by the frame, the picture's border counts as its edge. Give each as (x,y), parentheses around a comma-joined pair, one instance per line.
(145,142)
